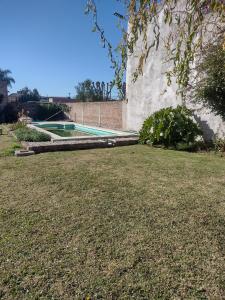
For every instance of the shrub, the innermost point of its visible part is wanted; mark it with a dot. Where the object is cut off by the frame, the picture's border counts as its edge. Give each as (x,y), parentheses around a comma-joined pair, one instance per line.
(31,135)
(9,114)
(51,110)
(210,84)
(220,145)
(26,95)
(17,125)
(169,127)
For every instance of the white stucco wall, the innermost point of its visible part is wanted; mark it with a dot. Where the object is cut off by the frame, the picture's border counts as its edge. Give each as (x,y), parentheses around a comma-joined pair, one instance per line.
(151,93)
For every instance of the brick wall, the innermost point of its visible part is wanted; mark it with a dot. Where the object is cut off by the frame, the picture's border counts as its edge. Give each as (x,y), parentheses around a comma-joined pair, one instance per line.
(102,114)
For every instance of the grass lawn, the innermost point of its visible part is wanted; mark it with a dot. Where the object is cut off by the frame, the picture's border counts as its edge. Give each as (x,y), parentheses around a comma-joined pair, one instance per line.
(122,223)
(8,144)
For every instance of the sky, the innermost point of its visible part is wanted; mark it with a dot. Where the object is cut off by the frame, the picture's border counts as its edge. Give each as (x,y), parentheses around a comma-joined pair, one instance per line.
(49,44)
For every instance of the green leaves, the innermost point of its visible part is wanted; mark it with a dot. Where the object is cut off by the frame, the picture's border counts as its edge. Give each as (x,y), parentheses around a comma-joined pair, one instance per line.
(31,135)
(169,126)
(188,28)
(210,84)
(5,76)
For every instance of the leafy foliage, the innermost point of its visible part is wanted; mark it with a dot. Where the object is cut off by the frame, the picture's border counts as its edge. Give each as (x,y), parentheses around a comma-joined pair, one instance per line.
(17,125)
(210,84)
(31,135)
(187,20)
(26,95)
(169,126)
(9,113)
(51,111)
(220,145)
(91,91)
(5,76)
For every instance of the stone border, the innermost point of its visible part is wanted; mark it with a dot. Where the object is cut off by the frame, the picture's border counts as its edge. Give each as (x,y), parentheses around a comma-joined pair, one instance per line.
(79,145)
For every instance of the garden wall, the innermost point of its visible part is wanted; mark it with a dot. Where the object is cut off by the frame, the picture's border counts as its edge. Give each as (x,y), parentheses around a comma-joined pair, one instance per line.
(102,114)
(151,93)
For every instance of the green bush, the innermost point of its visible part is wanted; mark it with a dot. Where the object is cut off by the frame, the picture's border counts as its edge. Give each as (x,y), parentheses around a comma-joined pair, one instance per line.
(169,127)
(17,125)
(31,135)
(9,114)
(209,88)
(220,145)
(51,110)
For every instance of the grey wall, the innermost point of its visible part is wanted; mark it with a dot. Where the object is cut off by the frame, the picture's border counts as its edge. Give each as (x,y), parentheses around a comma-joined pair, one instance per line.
(151,93)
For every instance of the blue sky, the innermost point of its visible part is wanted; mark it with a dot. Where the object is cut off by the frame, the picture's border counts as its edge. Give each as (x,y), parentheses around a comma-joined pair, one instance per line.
(48,44)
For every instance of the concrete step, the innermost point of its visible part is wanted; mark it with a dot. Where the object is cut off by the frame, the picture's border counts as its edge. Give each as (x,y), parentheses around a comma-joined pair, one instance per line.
(19,153)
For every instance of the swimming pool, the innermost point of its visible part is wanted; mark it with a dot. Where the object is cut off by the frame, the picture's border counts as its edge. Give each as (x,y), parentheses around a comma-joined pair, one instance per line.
(71,130)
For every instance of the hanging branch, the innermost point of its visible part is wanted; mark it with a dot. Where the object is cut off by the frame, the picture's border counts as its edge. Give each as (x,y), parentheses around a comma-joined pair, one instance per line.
(191,21)
(119,66)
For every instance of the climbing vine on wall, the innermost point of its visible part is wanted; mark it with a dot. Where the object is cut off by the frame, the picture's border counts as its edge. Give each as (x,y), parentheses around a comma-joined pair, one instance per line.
(190,22)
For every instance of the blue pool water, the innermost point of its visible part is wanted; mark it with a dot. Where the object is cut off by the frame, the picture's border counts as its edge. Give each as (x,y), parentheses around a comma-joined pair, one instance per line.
(75,127)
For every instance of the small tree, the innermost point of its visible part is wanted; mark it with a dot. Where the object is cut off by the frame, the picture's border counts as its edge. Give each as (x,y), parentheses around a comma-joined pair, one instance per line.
(93,91)
(5,77)
(210,84)
(26,95)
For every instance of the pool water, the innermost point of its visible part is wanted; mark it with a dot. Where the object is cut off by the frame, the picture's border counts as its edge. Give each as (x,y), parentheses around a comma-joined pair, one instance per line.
(72,129)
(67,133)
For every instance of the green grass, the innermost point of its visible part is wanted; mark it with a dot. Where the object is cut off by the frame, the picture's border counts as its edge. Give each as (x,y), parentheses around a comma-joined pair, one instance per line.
(8,144)
(122,223)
